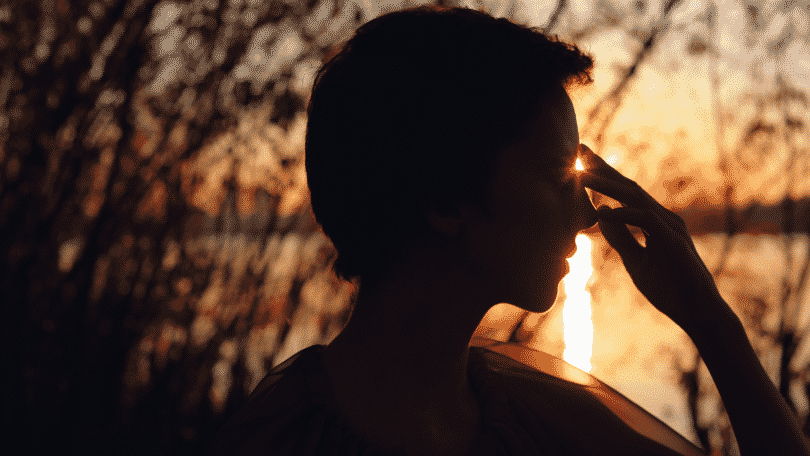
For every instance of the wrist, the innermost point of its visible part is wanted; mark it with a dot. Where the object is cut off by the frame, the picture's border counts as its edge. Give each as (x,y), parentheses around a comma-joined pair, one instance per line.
(716,322)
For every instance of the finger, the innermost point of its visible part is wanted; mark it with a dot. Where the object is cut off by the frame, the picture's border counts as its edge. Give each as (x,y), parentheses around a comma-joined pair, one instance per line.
(650,223)
(663,222)
(597,165)
(675,221)
(622,193)
(620,238)
(635,217)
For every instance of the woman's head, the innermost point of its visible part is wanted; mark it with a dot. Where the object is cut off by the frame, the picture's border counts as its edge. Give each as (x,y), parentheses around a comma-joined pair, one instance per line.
(412,114)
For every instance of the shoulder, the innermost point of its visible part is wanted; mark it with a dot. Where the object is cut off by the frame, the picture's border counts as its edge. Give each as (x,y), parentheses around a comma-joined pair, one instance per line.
(279,414)
(576,411)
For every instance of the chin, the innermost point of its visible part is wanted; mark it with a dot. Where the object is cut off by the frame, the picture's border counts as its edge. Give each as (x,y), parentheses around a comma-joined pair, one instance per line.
(542,301)
(545,307)
(548,302)
(538,297)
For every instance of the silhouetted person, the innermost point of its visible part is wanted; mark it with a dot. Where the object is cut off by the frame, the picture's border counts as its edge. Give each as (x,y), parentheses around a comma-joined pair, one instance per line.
(439,153)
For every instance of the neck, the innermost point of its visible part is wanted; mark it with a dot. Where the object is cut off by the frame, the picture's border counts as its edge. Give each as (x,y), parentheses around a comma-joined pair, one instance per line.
(412,331)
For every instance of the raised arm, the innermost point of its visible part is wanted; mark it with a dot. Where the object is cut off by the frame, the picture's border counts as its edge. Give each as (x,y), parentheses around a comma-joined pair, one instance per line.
(671,275)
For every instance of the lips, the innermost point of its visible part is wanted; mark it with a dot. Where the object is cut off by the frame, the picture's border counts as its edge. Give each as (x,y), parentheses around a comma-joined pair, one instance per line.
(571,250)
(566,268)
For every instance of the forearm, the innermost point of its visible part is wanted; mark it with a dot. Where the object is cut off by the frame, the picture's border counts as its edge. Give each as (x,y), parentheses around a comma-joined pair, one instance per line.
(762,421)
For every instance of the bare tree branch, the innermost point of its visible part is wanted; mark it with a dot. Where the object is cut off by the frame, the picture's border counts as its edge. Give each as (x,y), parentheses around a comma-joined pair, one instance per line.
(600,117)
(555,16)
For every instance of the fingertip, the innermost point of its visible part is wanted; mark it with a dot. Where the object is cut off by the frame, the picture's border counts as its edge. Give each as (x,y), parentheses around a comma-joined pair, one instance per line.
(618,236)
(586,154)
(609,226)
(611,230)
(584,148)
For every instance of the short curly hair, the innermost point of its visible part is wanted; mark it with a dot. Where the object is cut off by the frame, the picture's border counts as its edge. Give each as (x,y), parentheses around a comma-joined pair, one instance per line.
(412,113)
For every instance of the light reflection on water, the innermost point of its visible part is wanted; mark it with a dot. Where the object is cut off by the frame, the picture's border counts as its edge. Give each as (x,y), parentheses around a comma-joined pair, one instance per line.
(576,313)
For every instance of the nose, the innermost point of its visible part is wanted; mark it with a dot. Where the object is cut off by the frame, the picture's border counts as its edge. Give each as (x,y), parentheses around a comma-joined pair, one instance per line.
(585,214)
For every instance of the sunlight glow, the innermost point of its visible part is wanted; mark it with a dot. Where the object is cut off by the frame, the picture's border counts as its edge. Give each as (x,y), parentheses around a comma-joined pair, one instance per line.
(576,312)
(578,165)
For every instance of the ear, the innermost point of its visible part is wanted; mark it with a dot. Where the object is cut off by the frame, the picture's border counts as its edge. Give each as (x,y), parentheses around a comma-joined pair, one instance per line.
(446,219)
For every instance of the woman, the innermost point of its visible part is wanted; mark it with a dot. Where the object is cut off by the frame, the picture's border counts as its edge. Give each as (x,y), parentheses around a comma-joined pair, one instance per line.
(440,151)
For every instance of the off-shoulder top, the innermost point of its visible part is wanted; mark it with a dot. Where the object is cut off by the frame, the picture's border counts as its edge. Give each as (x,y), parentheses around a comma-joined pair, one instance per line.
(531,404)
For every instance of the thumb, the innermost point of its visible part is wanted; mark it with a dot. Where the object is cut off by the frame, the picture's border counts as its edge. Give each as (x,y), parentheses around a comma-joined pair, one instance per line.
(620,238)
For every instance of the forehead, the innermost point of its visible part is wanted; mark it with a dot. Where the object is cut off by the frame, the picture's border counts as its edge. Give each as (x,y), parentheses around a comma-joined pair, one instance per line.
(553,136)
(562,122)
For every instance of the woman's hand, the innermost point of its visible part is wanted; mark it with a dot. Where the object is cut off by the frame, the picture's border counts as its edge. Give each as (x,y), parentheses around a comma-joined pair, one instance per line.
(668,271)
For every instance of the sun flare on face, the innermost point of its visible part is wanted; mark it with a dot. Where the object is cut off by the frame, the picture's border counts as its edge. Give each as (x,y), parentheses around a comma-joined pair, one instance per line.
(576,312)
(579,166)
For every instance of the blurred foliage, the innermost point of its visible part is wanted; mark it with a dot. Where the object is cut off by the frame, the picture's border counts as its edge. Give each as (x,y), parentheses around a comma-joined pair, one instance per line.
(158,250)
(158,246)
